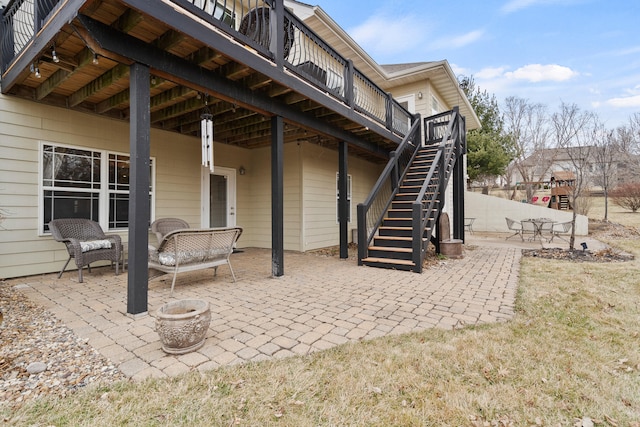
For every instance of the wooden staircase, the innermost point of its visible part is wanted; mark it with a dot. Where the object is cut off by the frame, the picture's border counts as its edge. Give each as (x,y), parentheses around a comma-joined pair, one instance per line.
(392,247)
(398,219)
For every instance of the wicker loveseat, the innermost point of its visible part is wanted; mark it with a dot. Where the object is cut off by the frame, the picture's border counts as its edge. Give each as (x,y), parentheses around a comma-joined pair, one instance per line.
(86,243)
(162,226)
(194,249)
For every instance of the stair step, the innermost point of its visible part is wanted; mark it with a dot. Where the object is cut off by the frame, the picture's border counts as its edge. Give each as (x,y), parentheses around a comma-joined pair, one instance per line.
(396,222)
(393,241)
(388,261)
(395,231)
(400,213)
(390,264)
(391,253)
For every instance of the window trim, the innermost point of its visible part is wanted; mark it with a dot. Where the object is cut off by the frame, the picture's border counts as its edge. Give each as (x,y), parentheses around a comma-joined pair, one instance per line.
(104,191)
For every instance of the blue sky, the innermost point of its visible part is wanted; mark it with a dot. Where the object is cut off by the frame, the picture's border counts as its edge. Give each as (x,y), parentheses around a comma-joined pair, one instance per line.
(585,52)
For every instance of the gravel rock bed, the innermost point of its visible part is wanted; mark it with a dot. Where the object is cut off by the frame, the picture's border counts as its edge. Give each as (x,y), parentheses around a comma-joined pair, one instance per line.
(30,334)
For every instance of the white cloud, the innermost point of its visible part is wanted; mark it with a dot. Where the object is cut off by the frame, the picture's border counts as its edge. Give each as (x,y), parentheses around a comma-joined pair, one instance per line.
(633,100)
(629,101)
(538,73)
(459,71)
(628,51)
(457,41)
(380,35)
(516,5)
(490,73)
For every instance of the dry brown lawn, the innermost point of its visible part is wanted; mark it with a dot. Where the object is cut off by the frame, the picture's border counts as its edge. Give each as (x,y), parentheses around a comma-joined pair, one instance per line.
(615,213)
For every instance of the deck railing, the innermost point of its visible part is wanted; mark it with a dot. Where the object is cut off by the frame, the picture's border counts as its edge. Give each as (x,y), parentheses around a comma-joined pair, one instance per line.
(21,20)
(252,22)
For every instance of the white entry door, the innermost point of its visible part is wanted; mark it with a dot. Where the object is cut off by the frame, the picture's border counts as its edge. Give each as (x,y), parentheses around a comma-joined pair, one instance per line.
(218,197)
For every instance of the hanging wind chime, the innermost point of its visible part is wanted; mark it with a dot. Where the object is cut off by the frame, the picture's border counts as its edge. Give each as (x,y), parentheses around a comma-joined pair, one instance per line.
(206,131)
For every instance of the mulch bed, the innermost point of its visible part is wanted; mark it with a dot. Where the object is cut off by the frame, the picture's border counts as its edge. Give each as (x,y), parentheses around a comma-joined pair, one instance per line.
(600,230)
(606,255)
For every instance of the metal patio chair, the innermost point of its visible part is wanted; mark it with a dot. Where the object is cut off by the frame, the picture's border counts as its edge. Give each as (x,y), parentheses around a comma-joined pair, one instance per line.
(515,226)
(468,224)
(560,229)
(86,243)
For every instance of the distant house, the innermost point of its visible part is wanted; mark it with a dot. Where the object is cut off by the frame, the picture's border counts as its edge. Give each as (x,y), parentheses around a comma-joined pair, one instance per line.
(104,106)
(542,164)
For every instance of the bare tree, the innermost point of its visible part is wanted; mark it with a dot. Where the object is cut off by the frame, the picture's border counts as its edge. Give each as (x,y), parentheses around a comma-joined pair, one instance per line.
(527,124)
(606,153)
(628,142)
(574,133)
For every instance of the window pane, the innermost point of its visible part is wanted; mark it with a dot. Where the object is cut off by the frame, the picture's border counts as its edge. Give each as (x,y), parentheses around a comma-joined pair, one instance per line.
(68,167)
(69,204)
(119,172)
(118,210)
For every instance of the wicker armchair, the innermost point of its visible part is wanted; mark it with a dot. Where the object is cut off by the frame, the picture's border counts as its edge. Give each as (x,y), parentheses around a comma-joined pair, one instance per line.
(163,226)
(86,243)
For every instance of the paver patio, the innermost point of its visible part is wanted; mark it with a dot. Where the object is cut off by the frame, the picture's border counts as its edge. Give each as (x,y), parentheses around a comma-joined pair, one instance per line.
(321,302)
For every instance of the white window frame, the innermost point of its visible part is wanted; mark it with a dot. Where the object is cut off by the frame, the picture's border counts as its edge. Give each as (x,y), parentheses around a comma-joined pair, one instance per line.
(410,100)
(436,108)
(103,192)
(349,193)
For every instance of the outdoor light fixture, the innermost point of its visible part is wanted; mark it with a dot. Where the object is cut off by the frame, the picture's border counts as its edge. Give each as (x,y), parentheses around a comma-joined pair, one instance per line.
(54,55)
(242,170)
(206,131)
(419,95)
(95,59)
(36,70)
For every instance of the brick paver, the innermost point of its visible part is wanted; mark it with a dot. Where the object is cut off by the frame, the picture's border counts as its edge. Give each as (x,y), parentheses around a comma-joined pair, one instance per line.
(319,303)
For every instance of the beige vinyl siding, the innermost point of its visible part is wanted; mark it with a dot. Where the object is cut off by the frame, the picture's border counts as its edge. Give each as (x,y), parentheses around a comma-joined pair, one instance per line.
(256,215)
(177,188)
(319,193)
(423,106)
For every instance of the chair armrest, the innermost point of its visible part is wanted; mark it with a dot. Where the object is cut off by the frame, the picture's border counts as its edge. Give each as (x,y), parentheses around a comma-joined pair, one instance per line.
(115,237)
(73,246)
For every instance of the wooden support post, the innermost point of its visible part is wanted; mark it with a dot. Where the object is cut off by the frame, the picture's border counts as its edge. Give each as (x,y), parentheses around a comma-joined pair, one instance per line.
(277,198)
(343,202)
(139,209)
(458,198)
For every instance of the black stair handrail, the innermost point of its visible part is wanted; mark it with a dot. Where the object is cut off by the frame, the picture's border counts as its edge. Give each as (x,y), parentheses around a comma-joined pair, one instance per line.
(434,185)
(372,210)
